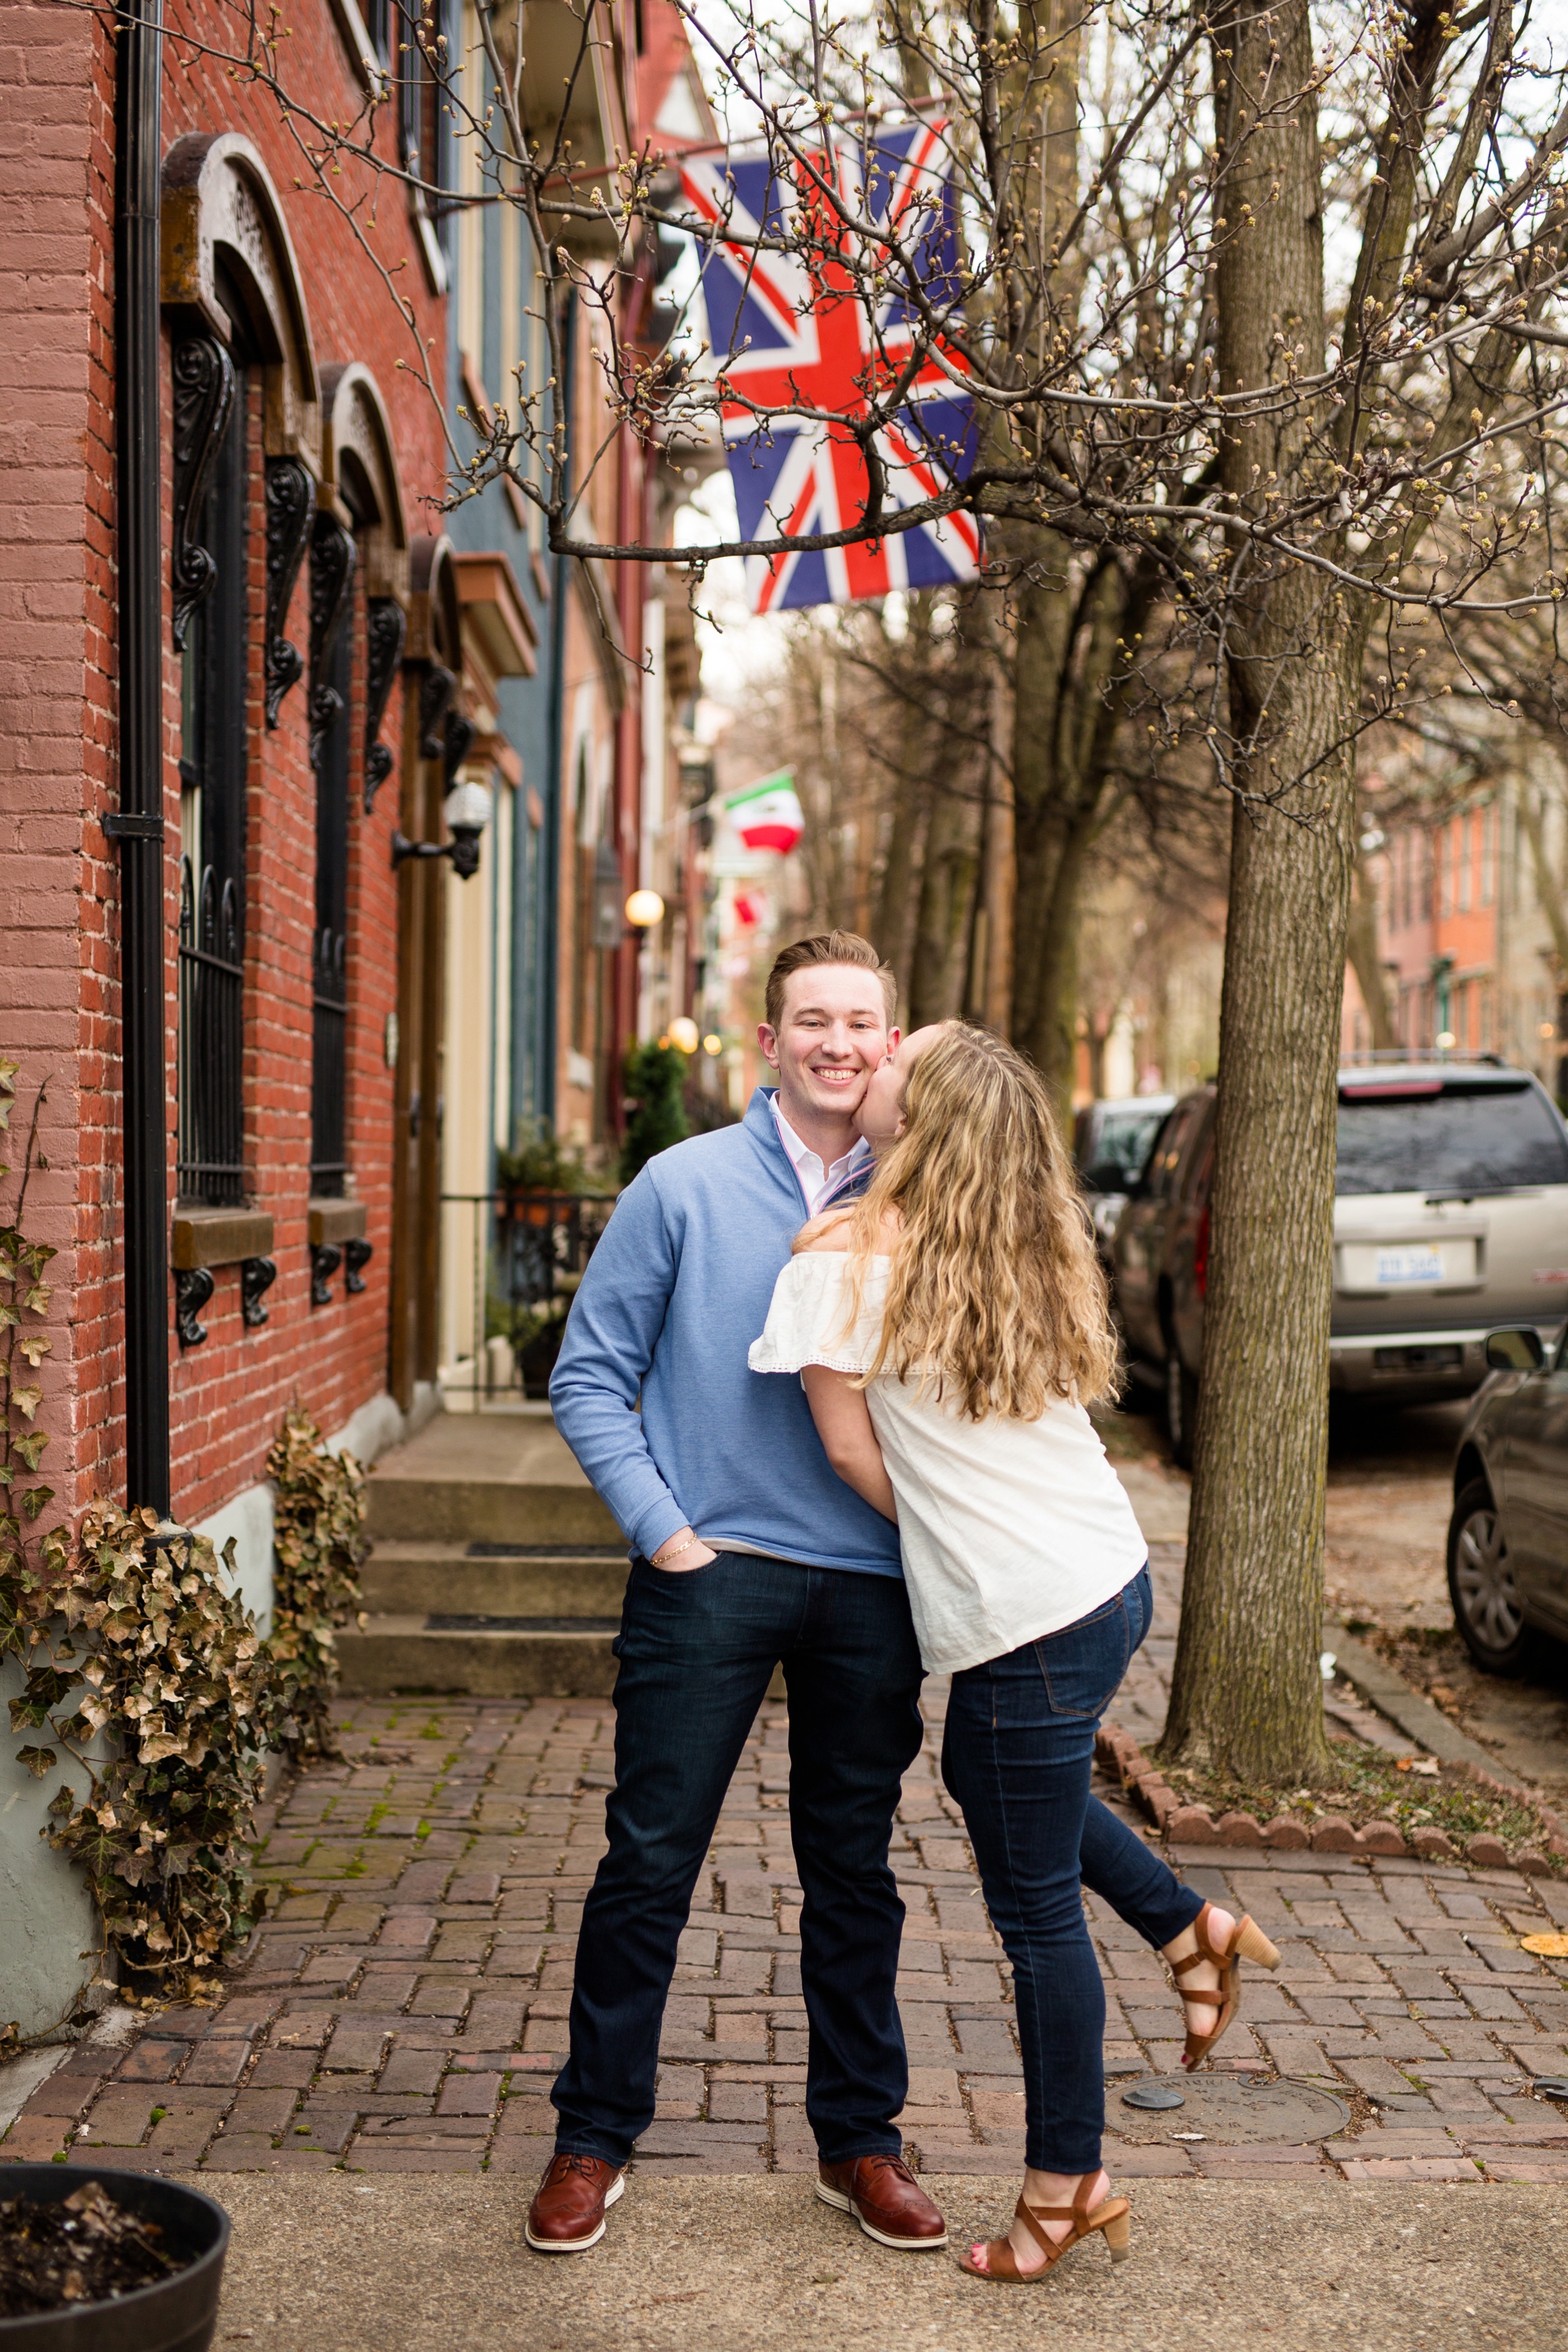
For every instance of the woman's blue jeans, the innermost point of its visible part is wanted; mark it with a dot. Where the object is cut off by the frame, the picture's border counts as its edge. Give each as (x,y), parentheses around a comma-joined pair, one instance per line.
(1016,1756)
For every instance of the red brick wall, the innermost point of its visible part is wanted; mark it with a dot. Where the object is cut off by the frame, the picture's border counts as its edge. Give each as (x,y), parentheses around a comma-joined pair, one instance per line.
(57,920)
(58,914)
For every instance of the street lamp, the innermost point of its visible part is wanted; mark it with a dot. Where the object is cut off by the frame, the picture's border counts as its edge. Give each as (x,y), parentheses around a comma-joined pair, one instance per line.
(645,912)
(467,810)
(683,1032)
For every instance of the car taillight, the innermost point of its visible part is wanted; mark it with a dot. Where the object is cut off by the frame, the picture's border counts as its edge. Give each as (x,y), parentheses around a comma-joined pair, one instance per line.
(1201,1255)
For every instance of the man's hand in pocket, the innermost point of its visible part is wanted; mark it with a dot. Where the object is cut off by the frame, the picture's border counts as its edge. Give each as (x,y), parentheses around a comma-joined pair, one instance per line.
(682,1552)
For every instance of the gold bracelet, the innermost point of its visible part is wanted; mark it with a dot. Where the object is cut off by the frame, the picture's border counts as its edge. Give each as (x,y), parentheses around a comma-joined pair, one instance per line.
(676,1553)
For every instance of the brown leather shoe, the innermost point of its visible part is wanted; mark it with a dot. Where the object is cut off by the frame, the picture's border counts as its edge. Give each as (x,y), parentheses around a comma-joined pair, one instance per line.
(886,2200)
(567,2216)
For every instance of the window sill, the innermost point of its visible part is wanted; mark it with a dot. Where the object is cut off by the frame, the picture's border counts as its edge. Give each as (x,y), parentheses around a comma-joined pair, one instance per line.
(335,1221)
(218,1237)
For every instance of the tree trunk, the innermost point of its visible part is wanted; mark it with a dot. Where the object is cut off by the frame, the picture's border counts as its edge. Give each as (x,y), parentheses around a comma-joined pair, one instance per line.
(1068,696)
(1247,1695)
(947,890)
(897,902)
(1365,962)
(998,880)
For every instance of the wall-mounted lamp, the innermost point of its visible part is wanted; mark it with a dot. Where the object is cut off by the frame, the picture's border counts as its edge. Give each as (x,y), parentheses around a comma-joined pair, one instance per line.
(467,810)
(645,911)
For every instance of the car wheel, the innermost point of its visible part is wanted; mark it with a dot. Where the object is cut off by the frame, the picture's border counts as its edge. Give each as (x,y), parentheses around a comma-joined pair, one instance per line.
(1480,1584)
(1180,1404)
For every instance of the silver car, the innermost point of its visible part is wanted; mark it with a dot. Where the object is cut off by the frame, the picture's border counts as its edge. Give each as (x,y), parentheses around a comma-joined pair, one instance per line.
(1451,1218)
(1111,1143)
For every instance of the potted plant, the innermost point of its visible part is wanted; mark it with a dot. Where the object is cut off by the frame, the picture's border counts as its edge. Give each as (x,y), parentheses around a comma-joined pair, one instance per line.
(107,2261)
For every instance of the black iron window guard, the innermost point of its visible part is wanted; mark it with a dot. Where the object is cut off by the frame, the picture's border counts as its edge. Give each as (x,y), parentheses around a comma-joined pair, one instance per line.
(211,1152)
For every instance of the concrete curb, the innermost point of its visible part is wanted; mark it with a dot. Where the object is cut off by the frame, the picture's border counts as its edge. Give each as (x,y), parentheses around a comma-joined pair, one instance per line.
(1197,1825)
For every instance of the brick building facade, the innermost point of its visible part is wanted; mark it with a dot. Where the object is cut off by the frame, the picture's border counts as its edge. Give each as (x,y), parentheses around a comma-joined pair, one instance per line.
(293,449)
(249,656)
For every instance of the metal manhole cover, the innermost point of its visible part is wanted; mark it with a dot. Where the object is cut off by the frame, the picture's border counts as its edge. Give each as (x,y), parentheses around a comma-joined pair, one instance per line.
(1233,2111)
(1161,2097)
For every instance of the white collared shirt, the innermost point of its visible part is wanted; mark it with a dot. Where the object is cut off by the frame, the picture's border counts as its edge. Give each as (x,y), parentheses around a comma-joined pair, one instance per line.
(815,1182)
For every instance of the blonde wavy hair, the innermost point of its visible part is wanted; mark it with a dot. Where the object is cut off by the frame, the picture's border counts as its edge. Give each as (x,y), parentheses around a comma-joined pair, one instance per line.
(994,1291)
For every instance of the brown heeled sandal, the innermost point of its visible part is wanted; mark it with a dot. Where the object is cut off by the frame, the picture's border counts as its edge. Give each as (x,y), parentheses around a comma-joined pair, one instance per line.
(1247,1942)
(1112,2216)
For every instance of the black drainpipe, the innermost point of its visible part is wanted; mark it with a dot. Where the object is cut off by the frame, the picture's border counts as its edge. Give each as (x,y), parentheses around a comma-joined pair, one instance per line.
(139,824)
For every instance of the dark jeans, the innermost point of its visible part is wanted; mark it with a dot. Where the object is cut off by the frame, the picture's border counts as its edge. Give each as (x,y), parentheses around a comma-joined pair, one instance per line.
(695,1650)
(1016,1756)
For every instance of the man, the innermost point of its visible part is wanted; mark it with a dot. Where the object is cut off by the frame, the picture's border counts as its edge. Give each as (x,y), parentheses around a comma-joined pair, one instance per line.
(746,1550)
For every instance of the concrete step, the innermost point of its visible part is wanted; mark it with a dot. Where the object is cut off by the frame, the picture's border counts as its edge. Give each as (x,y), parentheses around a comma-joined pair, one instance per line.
(495,1571)
(470,1478)
(405,1653)
(403,1579)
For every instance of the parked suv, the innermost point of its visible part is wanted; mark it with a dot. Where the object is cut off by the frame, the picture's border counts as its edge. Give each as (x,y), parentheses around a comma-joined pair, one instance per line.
(1451,1218)
(1110,1145)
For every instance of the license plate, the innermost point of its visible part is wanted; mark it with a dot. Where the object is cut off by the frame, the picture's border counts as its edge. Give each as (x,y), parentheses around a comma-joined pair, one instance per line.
(1414,1264)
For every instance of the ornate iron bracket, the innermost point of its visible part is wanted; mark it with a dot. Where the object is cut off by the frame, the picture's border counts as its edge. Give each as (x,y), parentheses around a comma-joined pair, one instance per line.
(325,1259)
(331,578)
(288,498)
(385,629)
(455,744)
(204,397)
(193,1286)
(357,1256)
(257,1276)
(436,689)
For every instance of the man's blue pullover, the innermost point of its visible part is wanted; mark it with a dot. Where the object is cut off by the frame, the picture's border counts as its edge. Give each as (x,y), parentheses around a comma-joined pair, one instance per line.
(674,1293)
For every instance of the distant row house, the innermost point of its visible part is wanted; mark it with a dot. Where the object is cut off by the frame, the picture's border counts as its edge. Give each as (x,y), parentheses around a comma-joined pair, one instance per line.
(1465,930)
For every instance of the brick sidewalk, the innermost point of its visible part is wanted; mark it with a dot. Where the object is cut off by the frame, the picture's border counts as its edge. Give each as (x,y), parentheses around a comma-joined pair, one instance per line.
(404,2008)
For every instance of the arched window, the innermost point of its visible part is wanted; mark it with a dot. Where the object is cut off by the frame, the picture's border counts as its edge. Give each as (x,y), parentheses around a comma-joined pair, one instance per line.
(359,568)
(244,399)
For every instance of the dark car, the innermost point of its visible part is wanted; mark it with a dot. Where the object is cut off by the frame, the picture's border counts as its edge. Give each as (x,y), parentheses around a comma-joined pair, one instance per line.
(1508,1540)
(1450,1217)
(1160,1261)
(1110,1145)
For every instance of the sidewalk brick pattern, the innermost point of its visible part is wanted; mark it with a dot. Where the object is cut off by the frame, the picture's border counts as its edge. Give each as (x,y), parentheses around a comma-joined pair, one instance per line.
(404,2007)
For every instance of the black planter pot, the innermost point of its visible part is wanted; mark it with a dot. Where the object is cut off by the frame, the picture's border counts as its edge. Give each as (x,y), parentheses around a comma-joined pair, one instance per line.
(174,2314)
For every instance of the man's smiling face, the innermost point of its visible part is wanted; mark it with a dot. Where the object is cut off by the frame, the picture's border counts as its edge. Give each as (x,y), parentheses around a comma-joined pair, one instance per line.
(832,1034)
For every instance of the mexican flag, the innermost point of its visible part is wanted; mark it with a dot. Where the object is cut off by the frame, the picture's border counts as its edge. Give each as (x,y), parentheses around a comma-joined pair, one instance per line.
(767,816)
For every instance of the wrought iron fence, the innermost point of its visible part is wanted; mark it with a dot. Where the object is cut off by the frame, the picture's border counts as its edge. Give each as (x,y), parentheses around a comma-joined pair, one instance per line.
(211,1158)
(511,1263)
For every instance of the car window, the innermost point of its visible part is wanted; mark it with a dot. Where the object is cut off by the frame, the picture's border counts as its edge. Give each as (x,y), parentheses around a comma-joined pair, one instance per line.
(1447,1135)
(1160,1174)
(1121,1148)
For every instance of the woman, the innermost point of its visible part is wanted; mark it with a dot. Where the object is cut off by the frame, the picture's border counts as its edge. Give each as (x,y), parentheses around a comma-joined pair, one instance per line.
(951,1327)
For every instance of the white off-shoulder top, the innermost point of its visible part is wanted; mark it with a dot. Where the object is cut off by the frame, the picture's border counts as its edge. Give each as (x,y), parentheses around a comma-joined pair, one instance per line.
(1009,1530)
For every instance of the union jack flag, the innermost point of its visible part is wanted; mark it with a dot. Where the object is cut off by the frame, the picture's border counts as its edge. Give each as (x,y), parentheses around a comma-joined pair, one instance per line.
(793,330)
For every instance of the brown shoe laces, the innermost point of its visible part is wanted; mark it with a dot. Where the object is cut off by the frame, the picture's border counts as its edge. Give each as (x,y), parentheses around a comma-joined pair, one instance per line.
(569,2161)
(892,2164)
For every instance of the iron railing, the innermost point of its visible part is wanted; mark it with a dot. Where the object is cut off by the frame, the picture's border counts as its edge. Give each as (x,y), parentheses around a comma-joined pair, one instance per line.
(511,1263)
(211,1160)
